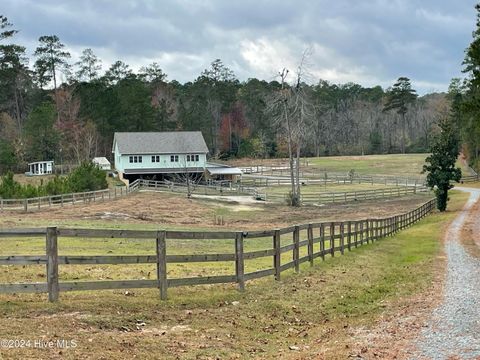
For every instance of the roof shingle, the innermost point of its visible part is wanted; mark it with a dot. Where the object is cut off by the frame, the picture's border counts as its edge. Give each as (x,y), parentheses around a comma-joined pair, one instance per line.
(171,142)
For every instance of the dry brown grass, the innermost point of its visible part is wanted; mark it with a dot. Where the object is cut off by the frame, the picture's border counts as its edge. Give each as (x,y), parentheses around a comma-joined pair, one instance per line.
(166,210)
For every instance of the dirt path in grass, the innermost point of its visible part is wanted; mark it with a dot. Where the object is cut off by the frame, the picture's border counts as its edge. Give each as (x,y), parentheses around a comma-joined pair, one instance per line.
(453,330)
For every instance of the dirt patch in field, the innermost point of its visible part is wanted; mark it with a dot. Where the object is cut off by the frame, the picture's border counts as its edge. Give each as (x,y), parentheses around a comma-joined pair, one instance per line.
(176,210)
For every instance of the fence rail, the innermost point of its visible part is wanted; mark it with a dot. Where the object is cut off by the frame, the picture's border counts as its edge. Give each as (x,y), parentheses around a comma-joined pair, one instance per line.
(265,181)
(347,196)
(470,179)
(38,203)
(64,199)
(321,239)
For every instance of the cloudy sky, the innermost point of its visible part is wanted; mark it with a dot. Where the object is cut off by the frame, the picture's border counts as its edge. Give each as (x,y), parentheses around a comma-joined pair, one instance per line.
(371,42)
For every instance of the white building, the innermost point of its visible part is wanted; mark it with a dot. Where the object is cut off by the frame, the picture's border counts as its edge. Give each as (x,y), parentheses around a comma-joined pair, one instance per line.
(40,167)
(102,163)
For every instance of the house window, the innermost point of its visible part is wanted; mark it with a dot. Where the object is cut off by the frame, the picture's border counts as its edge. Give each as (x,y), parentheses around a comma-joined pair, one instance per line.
(173,158)
(196,157)
(135,159)
(188,157)
(140,159)
(130,159)
(155,158)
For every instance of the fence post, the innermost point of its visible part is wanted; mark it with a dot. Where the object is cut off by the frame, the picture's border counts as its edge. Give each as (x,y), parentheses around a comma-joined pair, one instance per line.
(239,261)
(310,243)
(369,230)
(162,264)
(25,205)
(362,233)
(355,237)
(296,248)
(342,238)
(277,255)
(332,239)
(349,236)
(52,264)
(322,241)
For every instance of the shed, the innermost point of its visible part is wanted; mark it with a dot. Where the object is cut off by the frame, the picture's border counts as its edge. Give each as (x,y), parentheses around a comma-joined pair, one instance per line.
(102,163)
(222,172)
(40,167)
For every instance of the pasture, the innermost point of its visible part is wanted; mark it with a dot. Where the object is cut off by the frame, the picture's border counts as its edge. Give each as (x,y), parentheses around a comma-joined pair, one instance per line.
(305,313)
(400,165)
(320,312)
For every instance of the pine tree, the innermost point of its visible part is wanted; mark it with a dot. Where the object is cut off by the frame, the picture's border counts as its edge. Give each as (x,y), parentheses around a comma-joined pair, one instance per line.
(400,96)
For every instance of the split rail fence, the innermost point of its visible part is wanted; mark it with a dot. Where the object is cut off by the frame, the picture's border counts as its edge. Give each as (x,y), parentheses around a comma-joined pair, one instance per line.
(38,203)
(265,181)
(320,239)
(347,196)
(65,199)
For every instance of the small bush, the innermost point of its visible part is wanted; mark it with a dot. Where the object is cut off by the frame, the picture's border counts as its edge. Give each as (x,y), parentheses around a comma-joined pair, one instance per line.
(87,177)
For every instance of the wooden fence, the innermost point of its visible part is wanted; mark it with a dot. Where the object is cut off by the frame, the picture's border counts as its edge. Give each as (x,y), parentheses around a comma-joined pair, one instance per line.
(265,181)
(347,196)
(38,203)
(65,199)
(325,238)
(201,189)
(470,179)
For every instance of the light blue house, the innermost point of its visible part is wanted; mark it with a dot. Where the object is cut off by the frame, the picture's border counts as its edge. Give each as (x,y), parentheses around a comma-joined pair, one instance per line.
(159,155)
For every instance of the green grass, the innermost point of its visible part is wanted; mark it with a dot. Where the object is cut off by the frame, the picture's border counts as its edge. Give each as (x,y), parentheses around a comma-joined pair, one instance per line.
(402,165)
(315,310)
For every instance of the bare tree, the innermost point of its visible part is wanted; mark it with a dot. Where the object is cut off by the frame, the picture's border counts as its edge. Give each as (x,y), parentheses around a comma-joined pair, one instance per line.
(293,112)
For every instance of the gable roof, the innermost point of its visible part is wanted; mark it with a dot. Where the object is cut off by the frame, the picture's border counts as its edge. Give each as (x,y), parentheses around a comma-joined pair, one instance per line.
(171,142)
(101,160)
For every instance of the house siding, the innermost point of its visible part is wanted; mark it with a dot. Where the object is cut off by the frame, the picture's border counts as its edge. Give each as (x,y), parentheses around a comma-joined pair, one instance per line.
(122,162)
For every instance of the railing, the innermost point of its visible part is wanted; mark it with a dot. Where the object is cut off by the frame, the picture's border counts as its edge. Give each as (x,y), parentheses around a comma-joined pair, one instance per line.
(64,199)
(208,189)
(265,181)
(332,237)
(470,179)
(347,196)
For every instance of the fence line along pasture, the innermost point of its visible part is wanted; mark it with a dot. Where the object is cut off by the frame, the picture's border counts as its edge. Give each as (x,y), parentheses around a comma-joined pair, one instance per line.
(320,239)
(470,179)
(279,175)
(347,196)
(64,199)
(38,203)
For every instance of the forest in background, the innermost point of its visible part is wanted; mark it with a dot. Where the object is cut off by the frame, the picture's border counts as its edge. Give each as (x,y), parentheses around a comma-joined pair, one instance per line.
(52,109)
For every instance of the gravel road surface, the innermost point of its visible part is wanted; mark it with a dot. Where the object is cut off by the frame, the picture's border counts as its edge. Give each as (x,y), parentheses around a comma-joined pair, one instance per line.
(453,331)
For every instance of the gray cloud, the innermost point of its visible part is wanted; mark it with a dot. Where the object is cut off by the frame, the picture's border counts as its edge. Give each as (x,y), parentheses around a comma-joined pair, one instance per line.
(370,41)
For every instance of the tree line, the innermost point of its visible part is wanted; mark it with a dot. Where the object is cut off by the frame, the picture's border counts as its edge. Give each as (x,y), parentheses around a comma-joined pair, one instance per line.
(53,109)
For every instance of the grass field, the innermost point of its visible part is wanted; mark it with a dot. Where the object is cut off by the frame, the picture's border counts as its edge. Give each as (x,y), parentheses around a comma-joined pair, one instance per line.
(402,165)
(314,313)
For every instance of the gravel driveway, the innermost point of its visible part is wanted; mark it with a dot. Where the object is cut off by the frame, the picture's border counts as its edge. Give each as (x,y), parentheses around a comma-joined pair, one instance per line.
(453,332)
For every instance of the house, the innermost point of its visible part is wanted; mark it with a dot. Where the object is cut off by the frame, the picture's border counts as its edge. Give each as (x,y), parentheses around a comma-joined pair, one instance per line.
(159,155)
(40,168)
(102,163)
